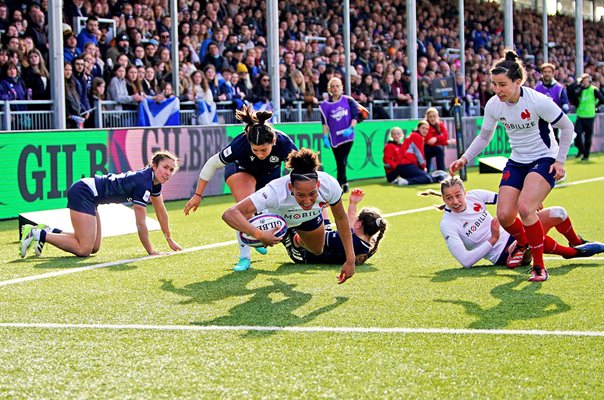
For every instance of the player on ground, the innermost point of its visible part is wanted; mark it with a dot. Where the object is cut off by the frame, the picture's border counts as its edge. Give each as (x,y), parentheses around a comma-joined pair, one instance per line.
(252,160)
(472,233)
(86,194)
(365,226)
(536,161)
(299,198)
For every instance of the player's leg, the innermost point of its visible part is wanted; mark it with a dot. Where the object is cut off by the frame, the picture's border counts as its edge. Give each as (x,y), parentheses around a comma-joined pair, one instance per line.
(242,185)
(99,236)
(83,239)
(537,185)
(311,236)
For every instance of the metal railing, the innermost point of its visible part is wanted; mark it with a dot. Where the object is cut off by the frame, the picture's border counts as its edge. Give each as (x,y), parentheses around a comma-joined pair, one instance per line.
(26,115)
(21,115)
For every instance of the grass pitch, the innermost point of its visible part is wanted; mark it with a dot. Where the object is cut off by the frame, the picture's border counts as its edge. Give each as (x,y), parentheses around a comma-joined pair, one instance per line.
(163,327)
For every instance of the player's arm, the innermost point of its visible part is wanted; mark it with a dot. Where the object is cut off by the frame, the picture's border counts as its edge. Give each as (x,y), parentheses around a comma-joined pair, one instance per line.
(479,143)
(140,213)
(341,219)
(467,258)
(162,216)
(567,131)
(356,196)
(213,164)
(237,218)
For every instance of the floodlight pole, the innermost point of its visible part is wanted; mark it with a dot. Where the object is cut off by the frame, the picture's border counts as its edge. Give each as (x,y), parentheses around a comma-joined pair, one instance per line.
(174,47)
(545,33)
(272,35)
(578,38)
(347,84)
(57,74)
(412,55)
(508,30)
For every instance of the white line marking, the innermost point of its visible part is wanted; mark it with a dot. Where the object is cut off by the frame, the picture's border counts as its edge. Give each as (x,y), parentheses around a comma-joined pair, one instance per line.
(111,264)
(211,246)
(309,329)
(601,178)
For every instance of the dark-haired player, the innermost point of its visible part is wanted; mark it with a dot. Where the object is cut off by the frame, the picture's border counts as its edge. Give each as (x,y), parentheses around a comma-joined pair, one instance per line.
(537,161)
(252,159)
(299,198)
(365,225)
(86,194)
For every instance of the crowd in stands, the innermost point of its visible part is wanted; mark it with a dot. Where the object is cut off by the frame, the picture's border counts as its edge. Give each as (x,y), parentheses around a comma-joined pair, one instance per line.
(222,51)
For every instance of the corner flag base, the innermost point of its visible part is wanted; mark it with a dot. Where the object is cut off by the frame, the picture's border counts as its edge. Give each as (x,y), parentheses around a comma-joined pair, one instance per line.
(116,219)
(491,165)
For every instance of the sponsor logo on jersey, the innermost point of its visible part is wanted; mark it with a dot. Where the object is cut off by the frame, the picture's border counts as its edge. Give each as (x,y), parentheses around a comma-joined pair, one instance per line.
(339,113)
(227,152)
(474,227)
(146,196)
(465,224)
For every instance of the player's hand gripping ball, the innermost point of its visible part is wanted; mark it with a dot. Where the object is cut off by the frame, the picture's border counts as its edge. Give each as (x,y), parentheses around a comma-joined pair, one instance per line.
(264,222)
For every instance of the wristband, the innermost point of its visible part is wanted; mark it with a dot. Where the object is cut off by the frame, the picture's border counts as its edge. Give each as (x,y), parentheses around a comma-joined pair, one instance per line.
(197,194)
(257,234)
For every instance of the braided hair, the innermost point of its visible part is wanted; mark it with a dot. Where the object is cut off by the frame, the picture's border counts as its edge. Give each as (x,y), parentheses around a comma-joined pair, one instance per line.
(257,130)
(303,164)
(510,66)
(372,222)
(444,184)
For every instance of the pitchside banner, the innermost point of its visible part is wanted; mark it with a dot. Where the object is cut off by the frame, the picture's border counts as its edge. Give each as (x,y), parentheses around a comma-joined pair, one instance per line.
(41,166)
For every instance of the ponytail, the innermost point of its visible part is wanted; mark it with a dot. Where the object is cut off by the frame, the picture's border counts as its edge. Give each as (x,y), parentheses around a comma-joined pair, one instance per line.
(257,130)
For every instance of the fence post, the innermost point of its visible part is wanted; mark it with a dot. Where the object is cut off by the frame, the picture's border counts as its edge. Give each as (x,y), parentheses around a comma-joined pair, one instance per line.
(370,110)
(98,116)
(299,110)
(7,115)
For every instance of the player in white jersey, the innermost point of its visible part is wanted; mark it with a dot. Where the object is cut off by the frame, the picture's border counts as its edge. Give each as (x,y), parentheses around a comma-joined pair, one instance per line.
(471,233)
(536,161)
(299,198)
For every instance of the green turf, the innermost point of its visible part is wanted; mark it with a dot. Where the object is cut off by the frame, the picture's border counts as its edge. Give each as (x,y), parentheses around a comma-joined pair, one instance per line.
(412,282)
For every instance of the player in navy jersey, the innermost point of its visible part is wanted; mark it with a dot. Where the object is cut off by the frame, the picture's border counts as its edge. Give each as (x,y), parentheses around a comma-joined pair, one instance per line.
(537,160)
(86,194)
(252,160)
(365,226)
(299,198)
(472,234)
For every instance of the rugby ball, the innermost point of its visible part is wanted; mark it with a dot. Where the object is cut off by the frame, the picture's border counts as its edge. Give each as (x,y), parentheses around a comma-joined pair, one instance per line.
(264,222)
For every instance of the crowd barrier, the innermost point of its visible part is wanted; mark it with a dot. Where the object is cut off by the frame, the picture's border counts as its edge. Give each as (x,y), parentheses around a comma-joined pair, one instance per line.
(41,166)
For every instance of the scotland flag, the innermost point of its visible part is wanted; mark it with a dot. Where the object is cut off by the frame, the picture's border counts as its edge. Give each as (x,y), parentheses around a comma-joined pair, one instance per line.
(206,113)
(166,113)
(264,106)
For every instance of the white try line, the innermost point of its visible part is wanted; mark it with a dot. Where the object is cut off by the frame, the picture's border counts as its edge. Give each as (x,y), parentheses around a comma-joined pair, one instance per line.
(601,178)
(207,246)
(303,329)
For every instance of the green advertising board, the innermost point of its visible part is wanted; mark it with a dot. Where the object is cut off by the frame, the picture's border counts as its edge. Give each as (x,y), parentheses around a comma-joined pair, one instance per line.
(365,160)
(43,165)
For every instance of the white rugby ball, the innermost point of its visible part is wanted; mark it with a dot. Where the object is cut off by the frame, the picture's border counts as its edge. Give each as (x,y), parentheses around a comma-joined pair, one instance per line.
(264,222)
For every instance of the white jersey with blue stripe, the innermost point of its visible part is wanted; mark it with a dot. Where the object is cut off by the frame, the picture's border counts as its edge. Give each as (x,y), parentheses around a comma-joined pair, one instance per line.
(277,198)
(467,233)
(527,123)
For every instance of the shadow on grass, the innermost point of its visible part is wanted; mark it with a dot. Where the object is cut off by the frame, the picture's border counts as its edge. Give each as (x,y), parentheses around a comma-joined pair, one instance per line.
(69,262)
(270,305)
(519,300)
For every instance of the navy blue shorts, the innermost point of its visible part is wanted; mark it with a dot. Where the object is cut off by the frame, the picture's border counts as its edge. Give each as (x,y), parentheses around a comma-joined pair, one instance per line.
(261,181)
(514,173)
(80,198)
(311,225)
(503,258)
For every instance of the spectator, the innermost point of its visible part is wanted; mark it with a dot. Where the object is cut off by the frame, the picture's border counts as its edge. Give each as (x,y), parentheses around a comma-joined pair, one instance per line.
(72,100)
(35,30)
(84,81)
(484,94)
(90,33)
(210,75)
(12,86)
(149,82)
(96,94)
(122,47)
(118,90)
(213,58)
(201,89)
(36,78)
(554,90)
(436,139)
(262,89)
(70,46)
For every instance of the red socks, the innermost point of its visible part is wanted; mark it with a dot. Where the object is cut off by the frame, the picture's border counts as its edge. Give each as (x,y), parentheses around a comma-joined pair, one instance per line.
(566,228)
(535,239)
(550,246)
(517,230)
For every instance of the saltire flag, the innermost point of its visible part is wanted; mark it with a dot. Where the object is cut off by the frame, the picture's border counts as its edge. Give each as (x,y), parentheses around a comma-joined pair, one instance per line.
(165,113)
(206,113)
